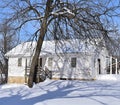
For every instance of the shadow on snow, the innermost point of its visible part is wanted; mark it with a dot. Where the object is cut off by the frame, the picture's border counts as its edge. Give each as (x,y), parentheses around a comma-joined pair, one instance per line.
(59,90)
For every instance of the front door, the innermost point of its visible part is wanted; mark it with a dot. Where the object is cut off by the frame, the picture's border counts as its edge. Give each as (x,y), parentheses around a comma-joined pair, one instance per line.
(99,66)
(40,62)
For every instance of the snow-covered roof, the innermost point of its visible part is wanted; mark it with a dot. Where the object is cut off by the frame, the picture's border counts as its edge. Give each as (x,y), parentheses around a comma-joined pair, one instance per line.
(52,47)
(28,48)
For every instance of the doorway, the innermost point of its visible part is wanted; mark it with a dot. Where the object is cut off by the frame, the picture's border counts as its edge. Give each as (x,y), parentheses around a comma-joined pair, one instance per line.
(99,66)
(40,62)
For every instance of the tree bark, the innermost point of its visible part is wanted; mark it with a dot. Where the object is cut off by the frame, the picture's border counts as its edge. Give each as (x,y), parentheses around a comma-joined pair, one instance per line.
(43,31)
(6,70)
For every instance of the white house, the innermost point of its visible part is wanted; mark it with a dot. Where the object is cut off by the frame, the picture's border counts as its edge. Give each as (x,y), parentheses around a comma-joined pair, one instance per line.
(69,59)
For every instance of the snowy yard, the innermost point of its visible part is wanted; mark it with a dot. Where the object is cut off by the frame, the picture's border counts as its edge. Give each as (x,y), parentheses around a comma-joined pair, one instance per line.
(62,92)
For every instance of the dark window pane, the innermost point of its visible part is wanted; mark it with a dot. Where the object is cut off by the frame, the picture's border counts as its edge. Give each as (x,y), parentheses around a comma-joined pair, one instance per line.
(73,62)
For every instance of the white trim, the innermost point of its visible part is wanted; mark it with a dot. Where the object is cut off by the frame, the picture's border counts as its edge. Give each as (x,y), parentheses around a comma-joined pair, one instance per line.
(110,64)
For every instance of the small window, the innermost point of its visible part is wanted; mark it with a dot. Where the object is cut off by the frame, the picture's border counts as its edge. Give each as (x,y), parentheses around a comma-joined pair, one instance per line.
(50,62)
(19,61)
(73,62)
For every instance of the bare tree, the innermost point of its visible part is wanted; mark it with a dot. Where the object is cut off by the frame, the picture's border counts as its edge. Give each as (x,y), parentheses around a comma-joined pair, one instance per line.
(62,19)
(8,40)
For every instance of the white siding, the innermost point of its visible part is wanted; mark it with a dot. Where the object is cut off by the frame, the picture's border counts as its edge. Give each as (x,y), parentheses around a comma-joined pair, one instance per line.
(86,59)
(86,65)
(14,69)
(62,66)
(102,56)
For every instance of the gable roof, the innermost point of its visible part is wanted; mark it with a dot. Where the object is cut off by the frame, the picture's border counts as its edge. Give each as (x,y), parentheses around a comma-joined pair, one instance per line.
(28,48)
(52,47)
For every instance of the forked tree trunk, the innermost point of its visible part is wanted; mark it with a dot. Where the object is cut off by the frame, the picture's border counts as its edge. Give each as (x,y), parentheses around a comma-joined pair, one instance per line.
(43,31)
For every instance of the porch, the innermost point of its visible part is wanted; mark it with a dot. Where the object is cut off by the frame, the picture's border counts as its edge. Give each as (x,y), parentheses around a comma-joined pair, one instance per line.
(112,65)
(40,73)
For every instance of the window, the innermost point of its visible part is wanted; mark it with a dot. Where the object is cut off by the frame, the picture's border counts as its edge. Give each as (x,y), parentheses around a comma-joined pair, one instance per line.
(19,61)
(50,61)
(73,62)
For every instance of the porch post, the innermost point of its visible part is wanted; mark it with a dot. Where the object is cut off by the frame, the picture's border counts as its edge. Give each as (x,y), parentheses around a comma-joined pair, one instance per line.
(110,64)
(116,66)
(26,70)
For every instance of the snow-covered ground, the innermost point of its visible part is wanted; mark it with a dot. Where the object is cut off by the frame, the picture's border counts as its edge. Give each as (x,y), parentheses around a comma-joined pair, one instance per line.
(63,92)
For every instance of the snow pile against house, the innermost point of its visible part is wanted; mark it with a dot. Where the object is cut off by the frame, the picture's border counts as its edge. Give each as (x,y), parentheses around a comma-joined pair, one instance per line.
(109,77)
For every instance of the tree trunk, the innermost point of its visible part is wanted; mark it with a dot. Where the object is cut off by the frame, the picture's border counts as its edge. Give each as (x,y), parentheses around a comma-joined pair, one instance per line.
(1,72)
(6,70)
(43,31)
